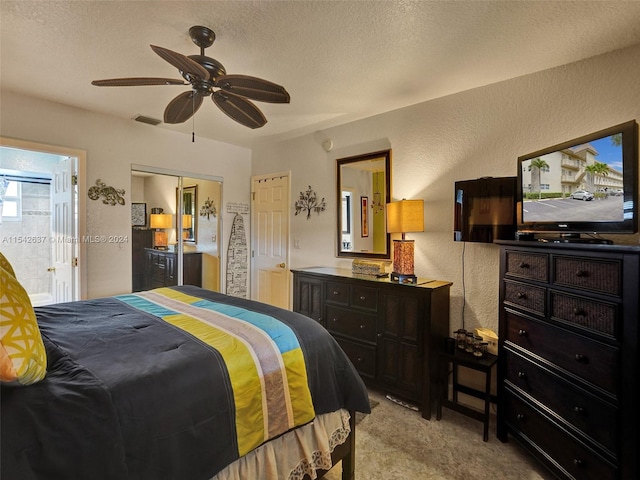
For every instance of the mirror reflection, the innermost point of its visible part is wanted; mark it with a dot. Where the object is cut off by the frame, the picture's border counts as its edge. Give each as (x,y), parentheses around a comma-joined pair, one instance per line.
(189,213)
(363,188)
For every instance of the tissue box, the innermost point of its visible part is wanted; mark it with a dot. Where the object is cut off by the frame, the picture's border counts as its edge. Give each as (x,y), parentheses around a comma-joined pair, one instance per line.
(490,337)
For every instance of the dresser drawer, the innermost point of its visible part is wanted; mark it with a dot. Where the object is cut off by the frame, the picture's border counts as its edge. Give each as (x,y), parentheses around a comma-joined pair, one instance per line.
(360,326)
(600,317)
(597,275)
(595,362)
(525,296)
(578,460)
(363,357)
(587,413)
(337,293)
(364,297)
(527,265)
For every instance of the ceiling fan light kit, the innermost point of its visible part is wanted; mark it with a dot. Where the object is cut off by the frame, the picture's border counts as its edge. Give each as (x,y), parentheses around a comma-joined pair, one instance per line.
(208,77)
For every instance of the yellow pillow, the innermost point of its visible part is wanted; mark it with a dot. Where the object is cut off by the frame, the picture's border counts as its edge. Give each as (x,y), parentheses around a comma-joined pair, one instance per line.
(4,263)
(23,359)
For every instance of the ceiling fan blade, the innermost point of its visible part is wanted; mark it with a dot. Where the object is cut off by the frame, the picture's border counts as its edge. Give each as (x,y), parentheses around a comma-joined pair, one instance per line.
(253,87)
(182,63)
(239,109)
(135,82)
(182,108)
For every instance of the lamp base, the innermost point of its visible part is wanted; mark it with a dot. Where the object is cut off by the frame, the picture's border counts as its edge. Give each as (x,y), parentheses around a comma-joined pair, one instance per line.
(401,278)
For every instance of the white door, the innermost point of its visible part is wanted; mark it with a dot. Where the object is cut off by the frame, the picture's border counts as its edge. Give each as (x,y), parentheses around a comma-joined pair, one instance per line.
(63,233)
(270,240)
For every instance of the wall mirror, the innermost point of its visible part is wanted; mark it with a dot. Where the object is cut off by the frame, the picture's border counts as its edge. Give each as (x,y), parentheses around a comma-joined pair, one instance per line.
(363,190)
(189,213)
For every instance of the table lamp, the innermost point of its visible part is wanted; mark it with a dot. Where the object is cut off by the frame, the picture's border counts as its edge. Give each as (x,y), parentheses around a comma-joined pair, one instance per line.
(160,222)
(403,217)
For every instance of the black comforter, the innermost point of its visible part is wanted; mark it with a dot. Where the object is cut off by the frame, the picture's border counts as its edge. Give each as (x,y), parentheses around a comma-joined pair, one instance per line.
(128,396)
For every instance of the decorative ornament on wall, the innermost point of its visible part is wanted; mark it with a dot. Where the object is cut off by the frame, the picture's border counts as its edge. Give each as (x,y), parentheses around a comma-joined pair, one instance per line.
(308,202)
(111,195)
(208,209)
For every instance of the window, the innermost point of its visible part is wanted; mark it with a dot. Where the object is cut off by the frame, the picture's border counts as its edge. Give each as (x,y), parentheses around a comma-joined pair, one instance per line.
(11,203)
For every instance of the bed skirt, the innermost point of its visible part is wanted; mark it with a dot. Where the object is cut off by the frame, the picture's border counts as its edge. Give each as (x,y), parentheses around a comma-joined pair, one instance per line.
(297,453)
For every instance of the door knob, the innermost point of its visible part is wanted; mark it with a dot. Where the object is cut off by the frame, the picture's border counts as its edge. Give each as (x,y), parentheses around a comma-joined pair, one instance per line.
(51,269)
(281,265)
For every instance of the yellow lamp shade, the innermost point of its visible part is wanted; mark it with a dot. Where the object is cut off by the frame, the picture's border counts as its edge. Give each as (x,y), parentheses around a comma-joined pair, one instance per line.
(160,220)
(405,216)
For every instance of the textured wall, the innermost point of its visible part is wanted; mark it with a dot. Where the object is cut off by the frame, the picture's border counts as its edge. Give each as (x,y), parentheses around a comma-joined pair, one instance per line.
(476,133)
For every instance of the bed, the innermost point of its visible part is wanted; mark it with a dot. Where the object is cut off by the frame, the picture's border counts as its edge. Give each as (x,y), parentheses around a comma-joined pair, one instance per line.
(181,383)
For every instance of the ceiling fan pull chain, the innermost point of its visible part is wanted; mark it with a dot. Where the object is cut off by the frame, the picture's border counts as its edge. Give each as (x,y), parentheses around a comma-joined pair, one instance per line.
(193,118)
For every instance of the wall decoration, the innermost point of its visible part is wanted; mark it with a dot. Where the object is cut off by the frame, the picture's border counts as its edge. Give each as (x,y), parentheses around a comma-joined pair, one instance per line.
(208,209)
(138,214)
(364,217)
(308,201)
(111,195)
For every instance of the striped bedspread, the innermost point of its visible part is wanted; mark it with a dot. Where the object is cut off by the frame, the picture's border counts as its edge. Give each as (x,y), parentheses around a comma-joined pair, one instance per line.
(263,357)
(173,383)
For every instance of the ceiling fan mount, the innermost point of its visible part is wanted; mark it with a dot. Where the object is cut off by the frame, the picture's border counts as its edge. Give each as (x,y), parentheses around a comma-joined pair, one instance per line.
(208,77)
(202,36)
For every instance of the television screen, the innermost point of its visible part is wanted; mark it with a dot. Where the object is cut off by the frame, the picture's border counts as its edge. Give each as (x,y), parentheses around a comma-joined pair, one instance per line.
(586,185)
(485,209)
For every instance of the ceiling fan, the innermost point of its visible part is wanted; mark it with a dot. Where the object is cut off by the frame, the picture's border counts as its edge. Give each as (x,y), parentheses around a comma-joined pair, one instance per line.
(208,77)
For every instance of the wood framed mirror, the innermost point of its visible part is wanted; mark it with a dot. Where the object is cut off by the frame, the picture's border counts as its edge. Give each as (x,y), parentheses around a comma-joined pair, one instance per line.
(363,189)
(189,213)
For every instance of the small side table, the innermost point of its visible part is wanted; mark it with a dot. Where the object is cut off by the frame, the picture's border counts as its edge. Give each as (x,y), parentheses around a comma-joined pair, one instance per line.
(484,364)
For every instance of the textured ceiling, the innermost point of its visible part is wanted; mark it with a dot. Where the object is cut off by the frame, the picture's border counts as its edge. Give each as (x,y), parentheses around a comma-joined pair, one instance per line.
(340,61)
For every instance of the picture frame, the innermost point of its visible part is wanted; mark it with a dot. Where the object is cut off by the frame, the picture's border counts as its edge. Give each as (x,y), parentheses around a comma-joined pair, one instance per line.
(364,217)
(138,214)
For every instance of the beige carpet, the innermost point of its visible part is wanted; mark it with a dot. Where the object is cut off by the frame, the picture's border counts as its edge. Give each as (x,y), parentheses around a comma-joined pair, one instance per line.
(395,443)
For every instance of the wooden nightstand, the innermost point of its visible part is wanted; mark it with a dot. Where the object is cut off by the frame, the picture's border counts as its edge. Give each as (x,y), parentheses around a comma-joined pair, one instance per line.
(484,365)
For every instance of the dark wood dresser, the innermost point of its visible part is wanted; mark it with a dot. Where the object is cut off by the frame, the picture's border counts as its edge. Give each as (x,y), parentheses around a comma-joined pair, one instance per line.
(391,332)
(161,268)
(568,358)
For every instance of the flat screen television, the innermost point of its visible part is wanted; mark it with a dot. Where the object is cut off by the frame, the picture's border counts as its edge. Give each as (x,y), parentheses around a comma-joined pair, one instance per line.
(485,209)
(588,186)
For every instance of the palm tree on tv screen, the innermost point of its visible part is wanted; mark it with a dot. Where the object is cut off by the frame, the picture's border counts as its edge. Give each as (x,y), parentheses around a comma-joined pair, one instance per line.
(536,167)
(595,169)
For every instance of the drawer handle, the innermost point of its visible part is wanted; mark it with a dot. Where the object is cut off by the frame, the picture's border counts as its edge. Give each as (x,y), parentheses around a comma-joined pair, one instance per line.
(524,265)
(335,292)
(578,463)
(582,273)
(581,358)
(362,297)
(521,295)
(335,320)
(520,416)
(362,326)
(522,332)
(578,410)
(579,312)
(521,375)
(359,359)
